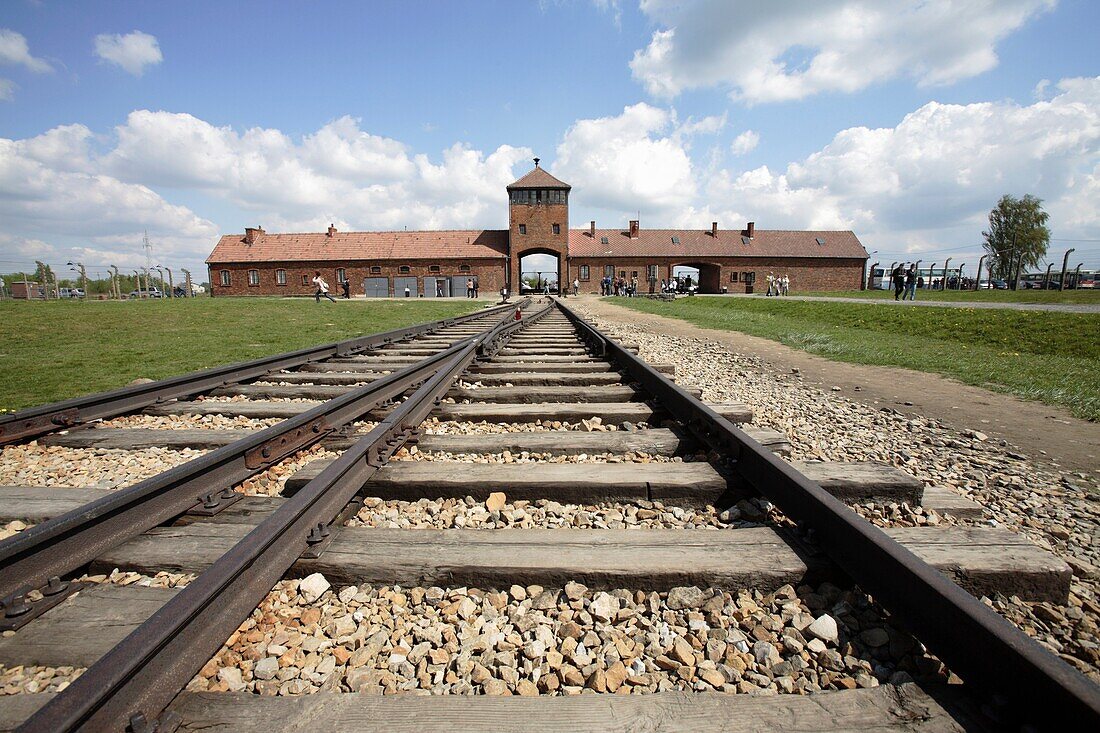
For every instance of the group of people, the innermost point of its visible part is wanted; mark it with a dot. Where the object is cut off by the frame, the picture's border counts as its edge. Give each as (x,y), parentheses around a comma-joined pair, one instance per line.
(471,287)
(778,284)
(677,284)
(619,286)
(905,282)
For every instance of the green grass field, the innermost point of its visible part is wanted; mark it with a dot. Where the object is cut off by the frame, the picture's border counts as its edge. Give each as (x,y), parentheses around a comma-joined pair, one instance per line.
(56,350)
(1080,297)
(1048,356)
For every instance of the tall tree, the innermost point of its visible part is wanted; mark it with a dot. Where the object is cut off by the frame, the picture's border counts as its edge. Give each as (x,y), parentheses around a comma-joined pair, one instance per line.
(1016,227)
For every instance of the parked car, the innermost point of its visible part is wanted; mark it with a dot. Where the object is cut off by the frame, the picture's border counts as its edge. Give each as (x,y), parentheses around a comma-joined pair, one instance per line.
(985,285)
(150,293)
(77,292)
(1000,285)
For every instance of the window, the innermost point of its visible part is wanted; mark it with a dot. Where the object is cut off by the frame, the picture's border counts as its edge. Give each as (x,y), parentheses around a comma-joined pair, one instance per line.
(651,272)
(280,277)
(557,229)
(522,228)
(463,268)
(622,274)
(675,240)
(404,269)
(224,274)
(748,277)
(634,274)
(733,277)
(584,272)
(433,268)
(609,270)
(820,241)
(253,278)
(341,275)
(603,240)
(375,270)
(305,279)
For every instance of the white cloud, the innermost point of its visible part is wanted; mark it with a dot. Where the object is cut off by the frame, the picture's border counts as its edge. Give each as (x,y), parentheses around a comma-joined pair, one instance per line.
(339,173)
(636,160)
(745,143)
(933,178)
(791,49)
(613,7)
(133,51)
(7,90)
(14,51)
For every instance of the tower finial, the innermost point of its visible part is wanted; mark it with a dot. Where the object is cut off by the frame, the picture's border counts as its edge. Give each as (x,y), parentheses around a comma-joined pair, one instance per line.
(537,162)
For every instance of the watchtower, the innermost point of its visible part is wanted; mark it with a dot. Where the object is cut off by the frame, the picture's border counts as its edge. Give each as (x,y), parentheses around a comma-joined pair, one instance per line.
(538,222)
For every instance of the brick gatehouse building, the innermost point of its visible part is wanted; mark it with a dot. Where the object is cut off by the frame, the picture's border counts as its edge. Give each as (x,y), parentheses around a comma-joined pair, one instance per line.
(434,263)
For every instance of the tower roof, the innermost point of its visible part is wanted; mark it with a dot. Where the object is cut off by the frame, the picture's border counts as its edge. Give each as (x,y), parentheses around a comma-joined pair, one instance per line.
(538,178)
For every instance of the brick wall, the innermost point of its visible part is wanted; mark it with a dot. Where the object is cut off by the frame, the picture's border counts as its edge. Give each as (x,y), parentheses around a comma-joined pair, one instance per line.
(806,273)
(539,221)
(489,272)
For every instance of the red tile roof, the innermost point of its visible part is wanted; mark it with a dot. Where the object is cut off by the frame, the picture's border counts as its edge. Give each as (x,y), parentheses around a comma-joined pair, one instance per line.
(538,178)
(728,243)
(316,247)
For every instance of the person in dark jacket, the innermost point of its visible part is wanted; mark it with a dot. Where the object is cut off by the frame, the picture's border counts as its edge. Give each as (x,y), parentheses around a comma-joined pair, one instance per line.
(897,277)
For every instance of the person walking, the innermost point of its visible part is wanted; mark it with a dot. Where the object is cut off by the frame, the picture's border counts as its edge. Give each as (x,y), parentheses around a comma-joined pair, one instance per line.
(771,284)
(910,283)
(898,279)
(477,287)
(322,287)
(469,288)
(786,284)
(346,287)
(576,286)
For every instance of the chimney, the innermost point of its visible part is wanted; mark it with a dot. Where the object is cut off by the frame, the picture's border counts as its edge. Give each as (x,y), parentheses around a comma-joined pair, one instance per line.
(250,234)
(331,230)
(633,228)
(714,229)
(749,231)
(592,228)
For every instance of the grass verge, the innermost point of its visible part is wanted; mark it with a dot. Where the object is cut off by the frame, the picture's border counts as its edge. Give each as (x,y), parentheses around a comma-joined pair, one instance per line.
(1067,297)
(1051,357)
(55,350)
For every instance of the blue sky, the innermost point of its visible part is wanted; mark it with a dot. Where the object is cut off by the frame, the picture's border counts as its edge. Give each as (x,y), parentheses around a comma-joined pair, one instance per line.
(903,121)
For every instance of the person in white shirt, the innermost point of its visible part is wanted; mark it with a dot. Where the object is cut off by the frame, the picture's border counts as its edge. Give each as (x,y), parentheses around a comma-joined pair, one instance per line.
(786,285)
(576,286)
(322,287)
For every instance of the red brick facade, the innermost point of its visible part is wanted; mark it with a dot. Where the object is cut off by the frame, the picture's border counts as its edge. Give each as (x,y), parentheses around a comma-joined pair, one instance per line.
(489,274)
(383,264)
(731,273)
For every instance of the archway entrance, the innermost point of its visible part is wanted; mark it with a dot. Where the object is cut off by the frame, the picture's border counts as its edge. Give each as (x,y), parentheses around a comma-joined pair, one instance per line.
(705,277)
(539,272)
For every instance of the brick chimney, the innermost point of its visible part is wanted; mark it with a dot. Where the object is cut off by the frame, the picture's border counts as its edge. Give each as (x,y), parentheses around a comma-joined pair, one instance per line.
(750,230)
(634,228)
(592,228)
(331,230)
(714,229)
(250,234)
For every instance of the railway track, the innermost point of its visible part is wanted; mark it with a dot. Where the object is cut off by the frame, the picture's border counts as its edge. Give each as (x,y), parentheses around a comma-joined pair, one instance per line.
(499,506)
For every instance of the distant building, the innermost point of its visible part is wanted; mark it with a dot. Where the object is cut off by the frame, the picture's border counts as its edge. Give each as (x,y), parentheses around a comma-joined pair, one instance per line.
(434,263)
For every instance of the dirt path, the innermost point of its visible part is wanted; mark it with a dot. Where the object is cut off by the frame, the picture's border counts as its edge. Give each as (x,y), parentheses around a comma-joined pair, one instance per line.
(1039,431)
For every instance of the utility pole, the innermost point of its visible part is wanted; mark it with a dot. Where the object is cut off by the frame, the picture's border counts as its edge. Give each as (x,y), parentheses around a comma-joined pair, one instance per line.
(188,292)
(931,273)
(1046,277)
(1077,276)
(1016,270)
(959,282)
(1065,262)
(1019,268)
(978,277)
(944,283)
(116,290)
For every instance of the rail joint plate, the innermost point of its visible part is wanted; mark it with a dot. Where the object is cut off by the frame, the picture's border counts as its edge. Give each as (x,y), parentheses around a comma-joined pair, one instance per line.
(278,448)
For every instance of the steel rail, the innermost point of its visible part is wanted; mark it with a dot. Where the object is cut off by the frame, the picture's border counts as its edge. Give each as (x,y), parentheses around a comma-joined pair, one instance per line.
(976,642)
(55,547)
(130,686)
(35,421)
